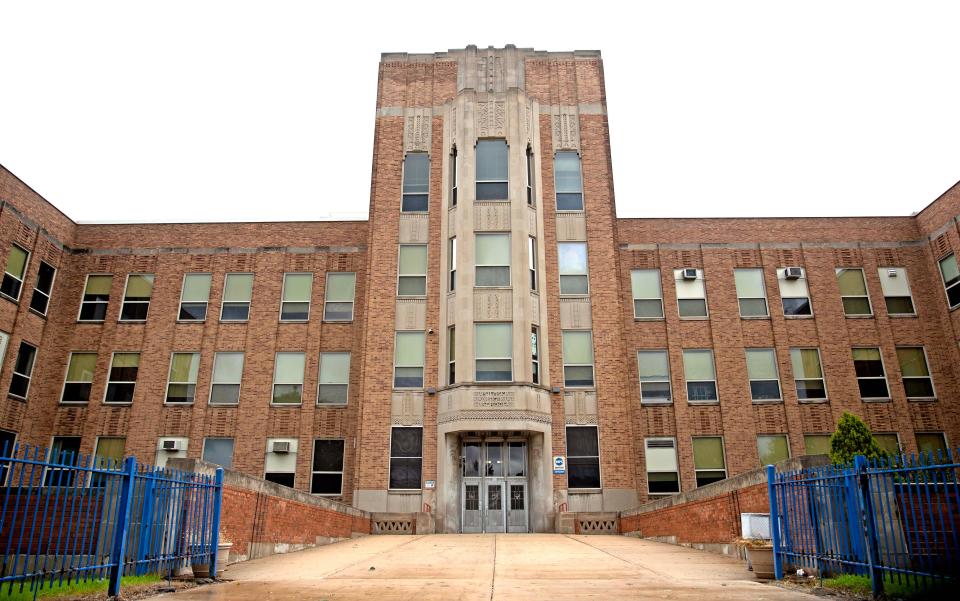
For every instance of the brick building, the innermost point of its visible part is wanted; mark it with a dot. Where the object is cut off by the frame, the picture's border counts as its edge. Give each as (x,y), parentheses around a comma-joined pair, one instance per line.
(491,316)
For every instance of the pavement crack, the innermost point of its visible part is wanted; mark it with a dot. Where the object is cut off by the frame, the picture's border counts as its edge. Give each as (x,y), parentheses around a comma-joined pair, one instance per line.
(626,561)
(493,574)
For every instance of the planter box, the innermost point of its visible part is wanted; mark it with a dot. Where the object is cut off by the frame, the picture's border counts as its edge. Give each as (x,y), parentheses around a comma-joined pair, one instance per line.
(761,558)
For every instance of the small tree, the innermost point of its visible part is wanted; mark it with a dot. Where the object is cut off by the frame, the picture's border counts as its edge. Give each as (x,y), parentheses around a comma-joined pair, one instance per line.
(852,438)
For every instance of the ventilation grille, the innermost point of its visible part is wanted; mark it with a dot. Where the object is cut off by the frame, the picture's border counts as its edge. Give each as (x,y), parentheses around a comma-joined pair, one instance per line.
(393,526)
(848,257)
(941,246)
(660,444)
(597,525)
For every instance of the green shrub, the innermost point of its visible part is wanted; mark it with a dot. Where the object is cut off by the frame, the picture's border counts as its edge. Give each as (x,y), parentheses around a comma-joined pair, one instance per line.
(852,438)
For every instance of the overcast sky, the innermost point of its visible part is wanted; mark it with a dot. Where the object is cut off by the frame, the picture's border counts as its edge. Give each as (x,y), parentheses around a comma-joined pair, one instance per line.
(214,111)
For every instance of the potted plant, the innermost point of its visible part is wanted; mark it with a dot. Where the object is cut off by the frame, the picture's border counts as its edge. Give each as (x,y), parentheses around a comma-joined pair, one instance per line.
(760,555)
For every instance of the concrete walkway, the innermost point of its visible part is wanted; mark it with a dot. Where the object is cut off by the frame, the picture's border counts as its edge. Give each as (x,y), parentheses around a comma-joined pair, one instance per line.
(487,566)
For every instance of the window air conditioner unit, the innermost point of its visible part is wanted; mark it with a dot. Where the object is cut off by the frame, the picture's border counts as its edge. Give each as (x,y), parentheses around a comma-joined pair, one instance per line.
(171,445)
(689,274)
(891,273)
(793,273)
(281,446)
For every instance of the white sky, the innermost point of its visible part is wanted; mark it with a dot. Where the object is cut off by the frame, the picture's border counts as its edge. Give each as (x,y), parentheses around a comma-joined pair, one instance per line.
(230,111)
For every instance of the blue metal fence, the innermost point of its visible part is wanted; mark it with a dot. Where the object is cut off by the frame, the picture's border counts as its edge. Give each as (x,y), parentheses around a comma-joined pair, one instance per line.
(894,519)
(79,517)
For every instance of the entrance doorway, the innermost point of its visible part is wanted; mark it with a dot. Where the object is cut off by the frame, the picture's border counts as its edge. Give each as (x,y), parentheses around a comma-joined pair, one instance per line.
(494,490)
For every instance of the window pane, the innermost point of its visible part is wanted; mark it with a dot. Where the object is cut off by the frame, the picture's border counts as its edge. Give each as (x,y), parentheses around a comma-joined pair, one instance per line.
(797,306)
(698,365)
(334,368)
(184,367)
(817,444)
(753,307)
(289,368)
(582,441)
(806,363)
(409,349)
(690,307)
(340,286)
(572,257)
(405,473)
(949,270)
(851,282)
(406,442)
(196,287)
(493,249)
(566,167)
(125,361)
(765,390)
(494,340)
(772,449)
(856,306)
(708,453)
(110,450)
(99,285)
(416,169)
(239,288)
(577,348)
(413,259)
(81,367)
(328,455)
(583,472)
(139,286)
(811,389)
(645,283)
(648,308)
(749,283)
(932,442)
(227,368)
(912,362)
(867,363)
(654,365)
(888,442)
(218,451)
(17,261)
(491,160)
(761,364)
(297,286)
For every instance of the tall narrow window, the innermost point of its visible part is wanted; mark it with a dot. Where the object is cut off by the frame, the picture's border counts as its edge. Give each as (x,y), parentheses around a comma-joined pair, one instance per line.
(334,379)
(227,375)
(182,382)
(96,297)
(529,176)
(566,172)
(280,464)
(773,448)
(578,358)
(654,368)
(123,378)
(412,278)
(708,459)
(416,183)
(23,371)
(79,380)
(454,176)
(288,378)
(917,382)
(647,295)
(663,476)
(493,259)
(43,288)
(451,355)
(871,378)
(532,256)
(406,458)
(295,303)
(951,279)
(326,474)
(494,352)
(338,304)
(808,374)
(853,292)
(237,292)
(794,293)
(136,297)
(408,360)
(751,293)
(763,374)
(535,354)
(701,376)
(452,264)
(218,451)
(572,259)
(194,297)
(691,293)
(583,457)
(13,273)
(896,290)
(492,170)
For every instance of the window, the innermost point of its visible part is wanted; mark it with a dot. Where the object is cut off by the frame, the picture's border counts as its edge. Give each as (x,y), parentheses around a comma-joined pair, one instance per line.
(529,176)
(108,455)
(698,369)
(932,444)
(164,455)
(7,442)
(532,256)
(136,297)
(535,354)
(334,379)
(691,294)
(870,376)
(572,259)
(889,442)
(123,378)
(917,382)
(295,303)
(338,304)
(807,373)
(492,170)
(647,296)
(280,467)
(218,451)
(951,278)
(408,360)
(708,461)
(493,260)
(763,374)
(662,474)
(794,293)
(326,473)
(654,367)
(416,183)
(406,457)
(773,448)
(96,297)
(816,444)
(896,290)
(182,383)
(454,176)
(13,274)
(452,264)
(194,297)
(79,379)
(412,279)
(451,355)
(43,288)
(227,374)
(237,292)
(288,378)
(566,172)
(494,352)
(751,293)
(853,292)
(578,359)
(583,457)
(22,371)
(64,450)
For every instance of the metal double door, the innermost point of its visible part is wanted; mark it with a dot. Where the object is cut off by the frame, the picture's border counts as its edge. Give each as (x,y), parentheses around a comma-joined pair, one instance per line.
(494,486)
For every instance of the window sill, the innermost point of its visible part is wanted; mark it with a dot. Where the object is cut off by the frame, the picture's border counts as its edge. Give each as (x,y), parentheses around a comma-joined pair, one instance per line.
(337,321)
(902,315)
(766,401)
(294,405)
(226,405)
(294,321)
(22,399)
(571,211)
(696,403)
(404,491)
(131,321)
(798,316)
(37,313)
(812,401)
(190,321)
(583,491)
(402,212)
(635,318)
(234,321)
(106,404)
(925,399)
(493,288)
(93,321)
(15,301)
(66,404)
(576,296)
(858,316)
(333,405)
(411,297)
(877,400)
(697,318)
(168,404)
(755,317)
(655,403)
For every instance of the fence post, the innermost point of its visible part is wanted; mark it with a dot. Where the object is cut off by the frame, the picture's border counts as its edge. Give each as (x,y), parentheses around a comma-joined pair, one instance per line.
(774,522)
(118,549)
(215,526)
(876,574)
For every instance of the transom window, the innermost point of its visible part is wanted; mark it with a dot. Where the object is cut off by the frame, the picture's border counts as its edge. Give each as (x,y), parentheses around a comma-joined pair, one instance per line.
(494,352)
(647,295)
(871,378)
(751,293)
(194,297)
(853,292)
(340,290)
(416,183)
(701,376)
(654,367)
(572,259)
(807,373)
(493,259)
(569,181)
(492,170)
(297,290)
(412,278)
(763,374)
(136,297)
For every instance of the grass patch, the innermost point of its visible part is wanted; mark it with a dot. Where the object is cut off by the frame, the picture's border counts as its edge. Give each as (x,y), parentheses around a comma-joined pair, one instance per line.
(860,585)
(74,589)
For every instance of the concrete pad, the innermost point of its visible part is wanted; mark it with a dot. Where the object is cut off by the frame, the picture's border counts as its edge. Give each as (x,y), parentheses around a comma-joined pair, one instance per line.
(491,566)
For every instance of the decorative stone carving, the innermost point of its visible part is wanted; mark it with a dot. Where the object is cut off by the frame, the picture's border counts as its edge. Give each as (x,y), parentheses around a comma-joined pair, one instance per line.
(580,407)
(535,309)
(493,305)
(528,124)
(490,73)
(416,133)
(452,120)
(571,227)
(406,409)
(532,219)
(575,313)
(499,415)
(451,309)
(491,216)
(414,228)
(566,129)
(491,119)
(494,399)
(411,314)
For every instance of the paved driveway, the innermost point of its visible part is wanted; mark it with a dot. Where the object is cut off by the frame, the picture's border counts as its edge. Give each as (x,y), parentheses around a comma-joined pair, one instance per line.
(488,566)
